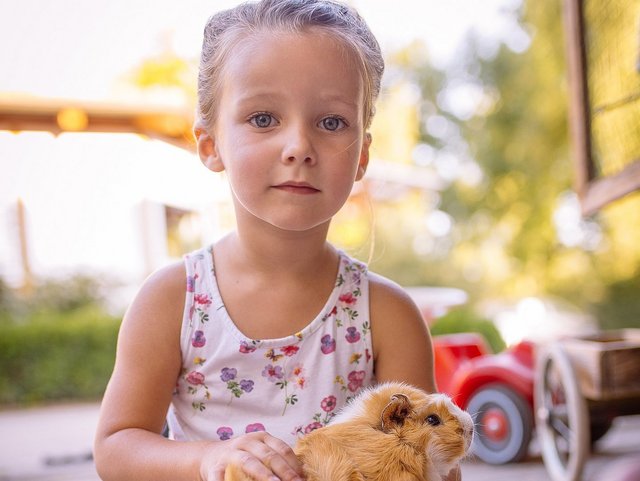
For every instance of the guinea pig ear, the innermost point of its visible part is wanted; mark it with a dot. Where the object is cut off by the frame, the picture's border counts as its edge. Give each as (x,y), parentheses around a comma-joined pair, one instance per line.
(394,413)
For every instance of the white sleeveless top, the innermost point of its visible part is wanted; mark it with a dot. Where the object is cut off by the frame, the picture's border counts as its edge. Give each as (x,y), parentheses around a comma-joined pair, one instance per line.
(231,385)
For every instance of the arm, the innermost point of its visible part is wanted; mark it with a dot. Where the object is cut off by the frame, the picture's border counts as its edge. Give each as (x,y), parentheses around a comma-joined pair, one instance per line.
(128,443)
(401,340)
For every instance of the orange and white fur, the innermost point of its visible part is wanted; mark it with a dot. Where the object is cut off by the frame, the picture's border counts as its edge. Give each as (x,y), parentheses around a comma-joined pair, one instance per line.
(392,432)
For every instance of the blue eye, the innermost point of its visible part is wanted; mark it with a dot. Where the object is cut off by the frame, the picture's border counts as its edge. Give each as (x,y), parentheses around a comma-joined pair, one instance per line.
(332,123)
(262,120)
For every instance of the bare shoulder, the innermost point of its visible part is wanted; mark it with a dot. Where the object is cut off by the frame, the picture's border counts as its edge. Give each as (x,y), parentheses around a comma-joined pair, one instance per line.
(159,304)
(148,358)
(166,286)
(386,295)
(401,338)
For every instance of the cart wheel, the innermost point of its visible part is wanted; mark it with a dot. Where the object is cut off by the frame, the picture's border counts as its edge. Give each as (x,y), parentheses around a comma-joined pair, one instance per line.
(503,424)
(562,417)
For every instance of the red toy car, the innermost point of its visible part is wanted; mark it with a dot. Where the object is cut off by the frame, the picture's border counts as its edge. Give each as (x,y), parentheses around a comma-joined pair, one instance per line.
(496,389)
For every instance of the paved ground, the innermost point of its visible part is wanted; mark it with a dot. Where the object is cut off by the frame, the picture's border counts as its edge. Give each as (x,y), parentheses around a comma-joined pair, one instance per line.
(54,444)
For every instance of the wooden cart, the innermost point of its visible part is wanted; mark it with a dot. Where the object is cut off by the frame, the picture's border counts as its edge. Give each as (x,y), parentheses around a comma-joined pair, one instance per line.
(581,384)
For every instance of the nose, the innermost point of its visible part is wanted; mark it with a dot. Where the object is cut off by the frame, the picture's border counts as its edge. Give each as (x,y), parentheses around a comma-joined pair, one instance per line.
(298,146)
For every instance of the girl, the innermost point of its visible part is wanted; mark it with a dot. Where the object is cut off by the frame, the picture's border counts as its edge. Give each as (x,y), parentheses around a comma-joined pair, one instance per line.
(278,328)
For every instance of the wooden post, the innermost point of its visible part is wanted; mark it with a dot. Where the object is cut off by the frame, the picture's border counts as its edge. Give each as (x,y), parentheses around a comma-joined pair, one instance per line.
(27,274)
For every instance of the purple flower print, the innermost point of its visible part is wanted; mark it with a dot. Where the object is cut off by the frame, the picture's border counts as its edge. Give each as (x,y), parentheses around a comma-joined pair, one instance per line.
(352,335)
(228,374)
(356,379)
(246,348)
(191,283)
(246,385)
(198,339)
(328,344)
(312,427)
(224,433)
(272,373)
(195,378)
(254,428)
(328,404)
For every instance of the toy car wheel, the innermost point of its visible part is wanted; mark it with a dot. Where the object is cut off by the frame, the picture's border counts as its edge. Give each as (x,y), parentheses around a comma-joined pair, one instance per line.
(562,416)
(504,423)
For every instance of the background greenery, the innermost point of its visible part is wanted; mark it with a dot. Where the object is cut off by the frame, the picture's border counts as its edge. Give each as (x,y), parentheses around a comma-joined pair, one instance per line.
(58,344)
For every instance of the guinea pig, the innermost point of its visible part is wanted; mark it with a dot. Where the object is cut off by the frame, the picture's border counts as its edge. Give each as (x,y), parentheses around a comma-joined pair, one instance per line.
(391,432)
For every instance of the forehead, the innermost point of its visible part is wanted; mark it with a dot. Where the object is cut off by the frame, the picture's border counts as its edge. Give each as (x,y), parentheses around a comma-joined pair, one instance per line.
(306,62)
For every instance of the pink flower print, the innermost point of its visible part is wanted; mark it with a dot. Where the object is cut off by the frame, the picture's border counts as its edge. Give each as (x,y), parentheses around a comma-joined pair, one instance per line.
(352,335)
(312,427)
(356,379)
(246,348)
(198,339)
(254,428)
(228,373)
(195,378)
(224,433)
(272,373)
(202,299)
(297,376)
(367,355)
(328,404)
(290,350)
(328,344)
(347,298)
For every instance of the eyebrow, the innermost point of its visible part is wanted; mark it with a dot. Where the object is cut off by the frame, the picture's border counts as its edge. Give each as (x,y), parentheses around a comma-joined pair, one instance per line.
(327,98)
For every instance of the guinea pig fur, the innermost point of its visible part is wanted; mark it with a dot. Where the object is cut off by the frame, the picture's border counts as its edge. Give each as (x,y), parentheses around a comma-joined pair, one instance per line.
(391,432)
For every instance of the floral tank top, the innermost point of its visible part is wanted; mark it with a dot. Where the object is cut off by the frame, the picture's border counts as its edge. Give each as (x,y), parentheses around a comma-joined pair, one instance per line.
(231,385)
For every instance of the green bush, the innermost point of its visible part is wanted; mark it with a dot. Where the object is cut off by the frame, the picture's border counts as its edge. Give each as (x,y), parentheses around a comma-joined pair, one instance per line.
(466,320)
(56,355)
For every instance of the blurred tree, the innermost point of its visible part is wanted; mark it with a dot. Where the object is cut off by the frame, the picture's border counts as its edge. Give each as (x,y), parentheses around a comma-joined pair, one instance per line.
(494,127)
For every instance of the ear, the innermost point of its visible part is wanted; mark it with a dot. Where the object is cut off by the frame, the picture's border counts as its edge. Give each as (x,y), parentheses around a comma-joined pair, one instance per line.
(394,413)
(207,148)
(364,157)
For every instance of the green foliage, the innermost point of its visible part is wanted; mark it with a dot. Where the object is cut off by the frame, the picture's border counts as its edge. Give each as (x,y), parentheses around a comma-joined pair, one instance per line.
(466,320)
(504,241)
(57,356)
(57,343)
(621,307)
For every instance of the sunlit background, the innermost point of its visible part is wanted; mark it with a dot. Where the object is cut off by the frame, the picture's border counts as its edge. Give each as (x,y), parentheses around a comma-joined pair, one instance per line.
(469,193)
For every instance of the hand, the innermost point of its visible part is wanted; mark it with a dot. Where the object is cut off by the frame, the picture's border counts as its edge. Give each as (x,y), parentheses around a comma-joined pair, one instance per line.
(261,456)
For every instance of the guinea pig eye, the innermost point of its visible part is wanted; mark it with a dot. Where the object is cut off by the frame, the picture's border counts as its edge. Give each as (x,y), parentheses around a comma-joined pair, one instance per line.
(433,420)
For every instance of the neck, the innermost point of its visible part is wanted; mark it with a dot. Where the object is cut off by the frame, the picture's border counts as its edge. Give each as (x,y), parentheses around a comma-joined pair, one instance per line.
(266,249)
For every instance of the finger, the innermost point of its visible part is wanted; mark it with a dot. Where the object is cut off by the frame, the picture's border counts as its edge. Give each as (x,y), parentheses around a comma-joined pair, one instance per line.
(255,468)
(286,453)
(274,455)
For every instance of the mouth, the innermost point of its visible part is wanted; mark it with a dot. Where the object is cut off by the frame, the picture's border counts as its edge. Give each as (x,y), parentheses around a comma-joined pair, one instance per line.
(300,188)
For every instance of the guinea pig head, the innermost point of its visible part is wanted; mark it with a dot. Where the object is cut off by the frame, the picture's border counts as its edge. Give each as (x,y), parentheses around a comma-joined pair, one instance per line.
(432,423)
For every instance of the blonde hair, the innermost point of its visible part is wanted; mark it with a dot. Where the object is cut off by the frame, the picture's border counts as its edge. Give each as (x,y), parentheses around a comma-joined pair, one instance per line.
(226,28)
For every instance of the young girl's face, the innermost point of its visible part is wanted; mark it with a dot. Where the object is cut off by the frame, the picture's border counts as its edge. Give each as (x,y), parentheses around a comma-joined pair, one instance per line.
(289,128)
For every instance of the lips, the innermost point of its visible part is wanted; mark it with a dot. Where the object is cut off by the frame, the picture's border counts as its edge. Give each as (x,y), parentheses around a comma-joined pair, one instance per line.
(300,188)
